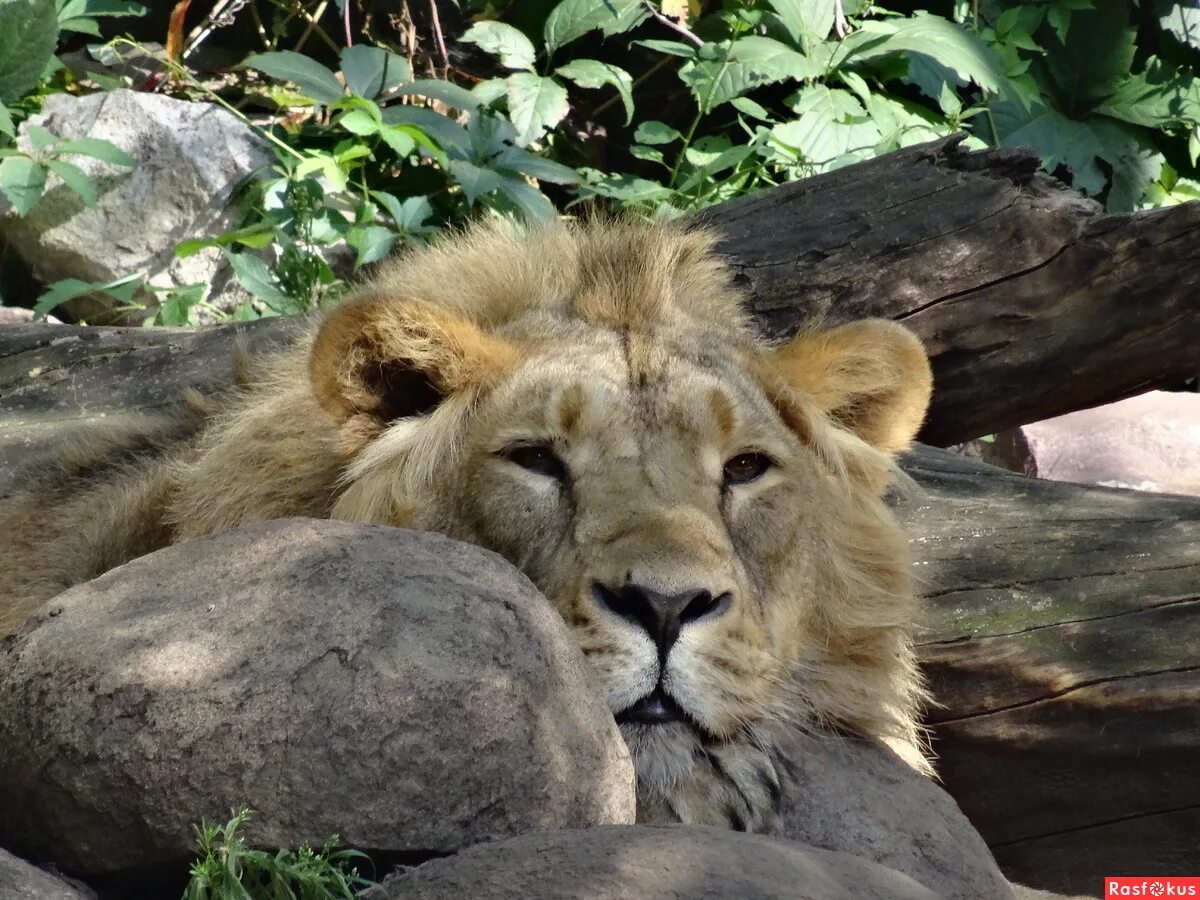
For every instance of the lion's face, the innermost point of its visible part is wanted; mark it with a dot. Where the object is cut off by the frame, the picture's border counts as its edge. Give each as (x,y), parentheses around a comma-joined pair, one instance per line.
(709,528)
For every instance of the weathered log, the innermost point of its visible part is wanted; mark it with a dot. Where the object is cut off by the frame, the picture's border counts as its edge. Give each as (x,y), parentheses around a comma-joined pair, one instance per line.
(1063,639)
(1063,644)
(1031,301)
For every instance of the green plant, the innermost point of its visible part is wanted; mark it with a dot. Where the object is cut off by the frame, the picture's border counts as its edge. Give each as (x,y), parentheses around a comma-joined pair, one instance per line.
(226,869)
(23,175)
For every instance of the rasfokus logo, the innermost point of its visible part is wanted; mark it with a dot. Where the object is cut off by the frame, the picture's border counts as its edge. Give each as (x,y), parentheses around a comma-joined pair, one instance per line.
(1151,886)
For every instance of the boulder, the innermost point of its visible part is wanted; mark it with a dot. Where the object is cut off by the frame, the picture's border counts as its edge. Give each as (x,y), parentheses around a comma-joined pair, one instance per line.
(1150,442)
(649,863)
(407,692)
(21,881)
(190,158)
(859,798)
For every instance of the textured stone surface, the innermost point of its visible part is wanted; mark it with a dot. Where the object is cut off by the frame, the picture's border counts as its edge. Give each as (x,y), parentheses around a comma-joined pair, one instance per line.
(650,863)
(21,881)
(403,690)
(861,799)
(191,156)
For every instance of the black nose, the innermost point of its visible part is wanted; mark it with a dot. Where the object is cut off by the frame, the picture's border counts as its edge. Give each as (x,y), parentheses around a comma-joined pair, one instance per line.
(662,615)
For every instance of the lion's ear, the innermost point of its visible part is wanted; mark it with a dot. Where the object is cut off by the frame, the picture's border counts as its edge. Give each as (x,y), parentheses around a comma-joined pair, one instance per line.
(872,376)
(382,358)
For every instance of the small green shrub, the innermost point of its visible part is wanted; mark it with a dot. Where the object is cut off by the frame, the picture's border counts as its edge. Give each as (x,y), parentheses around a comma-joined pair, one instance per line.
(226,869)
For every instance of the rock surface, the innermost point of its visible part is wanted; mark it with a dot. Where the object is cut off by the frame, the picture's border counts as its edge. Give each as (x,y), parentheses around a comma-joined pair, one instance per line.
(21,881)
(650,863)
(190,158)
(861,799)
(408,692)
(1150,442)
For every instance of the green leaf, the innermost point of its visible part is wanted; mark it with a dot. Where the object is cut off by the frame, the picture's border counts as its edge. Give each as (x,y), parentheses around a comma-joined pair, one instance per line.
(97,148)
(359,121)
(60,292)
(626,188)
(316,81)
(398,139)
(1183,21)
(509,44)
(448,134)
(22,180)
(949,44)
(833,129)
(7,125)
(535,104)
(474,180)
(806,21)
(370,71)
(444,91)
(748,63)
(525,163)
(528,199)
(28,35)
(74,178)
(591,73)
(410,215)
(1095,59)
(371,242)
(253,275)
(39,137)
(670,48)
(1157,98)
(572,19)
(654,132)
(489,90)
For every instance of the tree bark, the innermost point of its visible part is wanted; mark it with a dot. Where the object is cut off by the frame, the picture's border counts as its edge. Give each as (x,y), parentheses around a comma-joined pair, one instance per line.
(1062,641)
(1031,301)
(1063,645)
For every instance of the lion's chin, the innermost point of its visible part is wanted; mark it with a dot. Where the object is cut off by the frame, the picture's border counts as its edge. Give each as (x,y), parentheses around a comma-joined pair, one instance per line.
(664,753)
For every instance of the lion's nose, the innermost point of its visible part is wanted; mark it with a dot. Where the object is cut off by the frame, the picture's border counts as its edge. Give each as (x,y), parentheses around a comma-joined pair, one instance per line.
(662,615)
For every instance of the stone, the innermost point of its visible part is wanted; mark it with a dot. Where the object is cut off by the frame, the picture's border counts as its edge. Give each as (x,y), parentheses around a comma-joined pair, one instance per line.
(855,797)
(190,158)
(410,693)
(649,863)
(16,315)
(1150,442)
(21,881)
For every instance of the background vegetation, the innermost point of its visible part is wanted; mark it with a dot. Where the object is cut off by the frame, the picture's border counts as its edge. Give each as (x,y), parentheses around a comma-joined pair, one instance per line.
(390,120)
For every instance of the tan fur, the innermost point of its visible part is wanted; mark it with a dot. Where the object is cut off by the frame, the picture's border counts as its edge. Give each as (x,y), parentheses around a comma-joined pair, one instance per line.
(626,350)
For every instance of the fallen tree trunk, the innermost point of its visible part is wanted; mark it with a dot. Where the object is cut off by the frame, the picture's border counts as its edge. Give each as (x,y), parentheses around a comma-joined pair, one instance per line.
(1031,301)
(1063,644)
(1063,639)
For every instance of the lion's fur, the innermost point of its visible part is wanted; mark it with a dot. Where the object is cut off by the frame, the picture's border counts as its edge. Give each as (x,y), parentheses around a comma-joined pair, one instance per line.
(626,347)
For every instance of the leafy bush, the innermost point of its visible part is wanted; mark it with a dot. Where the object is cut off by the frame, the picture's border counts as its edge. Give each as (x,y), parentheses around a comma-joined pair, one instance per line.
(663,107)
(226,869)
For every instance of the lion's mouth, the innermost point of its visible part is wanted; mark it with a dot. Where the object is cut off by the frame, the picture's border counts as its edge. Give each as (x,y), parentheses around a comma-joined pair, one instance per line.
(656,708)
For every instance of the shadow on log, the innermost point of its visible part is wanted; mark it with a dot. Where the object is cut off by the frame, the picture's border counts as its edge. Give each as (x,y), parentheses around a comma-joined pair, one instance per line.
(1061,639)
(1063,643)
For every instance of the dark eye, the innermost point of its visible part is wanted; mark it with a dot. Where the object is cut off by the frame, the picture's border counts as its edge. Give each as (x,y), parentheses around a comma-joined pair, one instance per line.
(746,467)
(538,458)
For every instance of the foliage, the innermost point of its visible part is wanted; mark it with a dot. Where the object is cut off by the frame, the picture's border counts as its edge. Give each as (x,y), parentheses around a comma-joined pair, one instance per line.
(664,107)
(23,175)
(226,869)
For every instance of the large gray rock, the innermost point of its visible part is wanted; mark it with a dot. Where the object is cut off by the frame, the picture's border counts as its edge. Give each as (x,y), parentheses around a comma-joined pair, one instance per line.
(190,158)
(860,798)
(650,863)
(21,881)
(403,690)
(1150,442)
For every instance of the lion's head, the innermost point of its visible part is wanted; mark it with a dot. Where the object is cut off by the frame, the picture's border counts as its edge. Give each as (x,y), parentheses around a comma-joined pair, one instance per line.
(704,508)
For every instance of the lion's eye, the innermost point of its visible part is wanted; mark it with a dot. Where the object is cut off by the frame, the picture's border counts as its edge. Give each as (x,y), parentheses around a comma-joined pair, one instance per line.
(746,467)
(538,458)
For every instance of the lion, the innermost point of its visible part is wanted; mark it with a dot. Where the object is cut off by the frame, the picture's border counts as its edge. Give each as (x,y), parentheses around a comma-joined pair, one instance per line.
(704,508)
